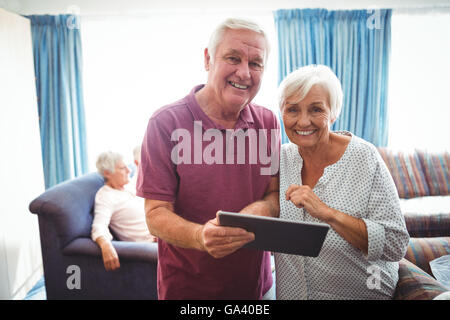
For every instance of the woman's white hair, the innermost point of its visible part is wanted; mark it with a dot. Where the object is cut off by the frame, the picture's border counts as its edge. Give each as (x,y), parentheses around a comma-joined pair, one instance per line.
(299,82)
(107,161)
(236,24)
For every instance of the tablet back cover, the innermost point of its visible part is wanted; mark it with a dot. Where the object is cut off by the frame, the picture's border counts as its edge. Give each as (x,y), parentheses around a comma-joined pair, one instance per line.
(279,235)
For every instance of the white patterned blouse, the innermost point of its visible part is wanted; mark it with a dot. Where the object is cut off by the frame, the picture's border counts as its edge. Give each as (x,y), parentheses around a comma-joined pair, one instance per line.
(359,184)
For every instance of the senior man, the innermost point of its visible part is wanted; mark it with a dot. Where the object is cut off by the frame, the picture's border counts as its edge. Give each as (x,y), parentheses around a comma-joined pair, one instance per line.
(213,150)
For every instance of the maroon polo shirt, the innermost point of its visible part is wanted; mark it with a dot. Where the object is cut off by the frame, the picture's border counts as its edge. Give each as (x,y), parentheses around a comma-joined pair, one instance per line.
(187,160)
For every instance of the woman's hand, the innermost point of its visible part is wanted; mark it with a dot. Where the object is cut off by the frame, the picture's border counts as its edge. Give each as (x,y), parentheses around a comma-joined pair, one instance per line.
(109,254)
(352,229)
(304,197)
(110,258)
(221,241)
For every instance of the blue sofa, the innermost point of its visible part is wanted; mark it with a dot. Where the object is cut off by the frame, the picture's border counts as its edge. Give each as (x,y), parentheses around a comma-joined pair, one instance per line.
(65,214)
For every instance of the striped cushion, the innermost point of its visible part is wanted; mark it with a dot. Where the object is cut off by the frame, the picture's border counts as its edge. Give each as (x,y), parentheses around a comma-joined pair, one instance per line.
(416,284)
(435,167)
(407,173)
(433,224)
(422,250)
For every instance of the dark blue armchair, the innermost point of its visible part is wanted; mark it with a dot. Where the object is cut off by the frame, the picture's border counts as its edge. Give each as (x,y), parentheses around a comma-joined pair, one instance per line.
(73,265)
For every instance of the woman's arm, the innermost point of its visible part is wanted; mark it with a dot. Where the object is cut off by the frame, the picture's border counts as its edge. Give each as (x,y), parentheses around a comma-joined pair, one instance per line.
(100,230)
(352,229)
(109,254)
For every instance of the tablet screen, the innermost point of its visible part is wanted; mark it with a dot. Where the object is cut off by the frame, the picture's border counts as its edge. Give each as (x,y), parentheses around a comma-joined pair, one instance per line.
(279,235)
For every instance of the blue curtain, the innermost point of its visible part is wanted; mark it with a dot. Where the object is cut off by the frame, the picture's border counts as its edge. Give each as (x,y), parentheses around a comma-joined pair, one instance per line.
(58,64)
(356,46)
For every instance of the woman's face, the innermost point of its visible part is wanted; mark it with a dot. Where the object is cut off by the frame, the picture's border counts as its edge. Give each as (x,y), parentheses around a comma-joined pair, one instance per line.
(307,123)
(119,177)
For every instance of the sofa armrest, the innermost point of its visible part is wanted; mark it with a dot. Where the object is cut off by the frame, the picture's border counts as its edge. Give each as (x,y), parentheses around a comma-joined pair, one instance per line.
(423,250)
(133,251)
(68,206)
(416,284)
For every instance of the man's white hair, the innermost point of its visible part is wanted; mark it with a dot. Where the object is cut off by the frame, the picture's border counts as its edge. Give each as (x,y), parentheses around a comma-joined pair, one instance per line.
(107,161)
(236,24)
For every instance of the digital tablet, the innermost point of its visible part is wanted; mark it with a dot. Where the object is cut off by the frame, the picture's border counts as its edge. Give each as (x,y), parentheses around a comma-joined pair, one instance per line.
(279,235)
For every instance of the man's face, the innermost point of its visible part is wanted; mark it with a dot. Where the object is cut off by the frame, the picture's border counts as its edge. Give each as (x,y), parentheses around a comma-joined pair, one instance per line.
(236,71)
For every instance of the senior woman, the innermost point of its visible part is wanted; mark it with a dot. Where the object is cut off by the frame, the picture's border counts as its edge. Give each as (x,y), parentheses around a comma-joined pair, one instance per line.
(116,208)
(339,179)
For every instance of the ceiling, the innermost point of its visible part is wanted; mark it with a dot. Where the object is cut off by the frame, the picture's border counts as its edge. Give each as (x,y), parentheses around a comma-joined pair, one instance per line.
(91,7)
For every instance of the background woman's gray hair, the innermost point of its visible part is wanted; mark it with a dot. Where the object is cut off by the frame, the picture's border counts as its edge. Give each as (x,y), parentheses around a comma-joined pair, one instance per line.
(233,23)
(107,161)
(300,81)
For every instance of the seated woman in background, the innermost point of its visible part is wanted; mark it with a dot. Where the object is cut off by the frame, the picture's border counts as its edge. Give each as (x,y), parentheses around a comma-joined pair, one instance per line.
(116,208)
(339,179)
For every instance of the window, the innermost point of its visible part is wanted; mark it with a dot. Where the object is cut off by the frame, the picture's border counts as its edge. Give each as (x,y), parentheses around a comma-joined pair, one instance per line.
(419,81)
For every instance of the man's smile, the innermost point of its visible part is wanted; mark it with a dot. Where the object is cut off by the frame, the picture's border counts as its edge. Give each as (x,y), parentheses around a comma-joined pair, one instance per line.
(238,86)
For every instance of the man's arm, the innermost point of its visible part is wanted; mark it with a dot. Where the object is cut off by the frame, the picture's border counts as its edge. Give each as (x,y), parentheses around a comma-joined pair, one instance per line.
(164,223)
(218,241)
(270,205)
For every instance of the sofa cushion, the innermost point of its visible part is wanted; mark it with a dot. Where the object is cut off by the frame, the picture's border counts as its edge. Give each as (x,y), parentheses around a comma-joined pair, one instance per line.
(435,167)
(422,250)
(426,205)
(427,225)
(407,172)
(416,284)
(430,224)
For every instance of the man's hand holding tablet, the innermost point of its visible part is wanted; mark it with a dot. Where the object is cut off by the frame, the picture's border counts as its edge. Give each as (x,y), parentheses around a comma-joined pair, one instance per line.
(220,241)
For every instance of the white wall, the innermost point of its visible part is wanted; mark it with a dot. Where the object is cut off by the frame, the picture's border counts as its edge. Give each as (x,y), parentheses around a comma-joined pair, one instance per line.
(21,173)
(419,80)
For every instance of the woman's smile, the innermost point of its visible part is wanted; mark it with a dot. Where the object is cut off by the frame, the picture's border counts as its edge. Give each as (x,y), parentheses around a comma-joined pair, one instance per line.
(305,133)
